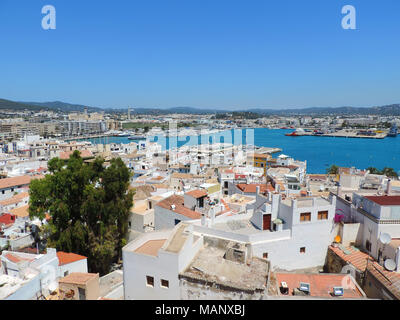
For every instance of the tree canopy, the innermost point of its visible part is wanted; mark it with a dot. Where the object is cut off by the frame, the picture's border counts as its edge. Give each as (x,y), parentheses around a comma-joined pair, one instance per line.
(389,172)
(88,205)
(333,169)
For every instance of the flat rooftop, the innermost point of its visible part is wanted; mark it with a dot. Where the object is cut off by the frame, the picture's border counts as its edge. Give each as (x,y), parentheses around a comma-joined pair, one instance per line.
(211,266)
(238,226)
(178,239)
(307,202)
(321,285)
(151,247)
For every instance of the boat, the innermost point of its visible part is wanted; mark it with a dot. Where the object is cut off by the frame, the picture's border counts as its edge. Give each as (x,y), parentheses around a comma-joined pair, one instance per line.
(297,133)
(124,134)
(136,137)
(393,131)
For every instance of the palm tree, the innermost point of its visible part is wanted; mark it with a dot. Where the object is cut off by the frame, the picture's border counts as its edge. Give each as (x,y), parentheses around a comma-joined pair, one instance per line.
(333,169)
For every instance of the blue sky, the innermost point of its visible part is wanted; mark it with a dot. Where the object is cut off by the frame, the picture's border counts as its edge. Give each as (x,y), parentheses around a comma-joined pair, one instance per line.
(209,53)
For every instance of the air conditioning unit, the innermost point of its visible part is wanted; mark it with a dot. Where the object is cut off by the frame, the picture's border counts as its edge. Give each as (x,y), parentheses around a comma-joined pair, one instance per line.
(305,287)
(338,291)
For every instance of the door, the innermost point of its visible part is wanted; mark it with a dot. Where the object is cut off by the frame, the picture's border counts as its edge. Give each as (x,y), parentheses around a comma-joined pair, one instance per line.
(266,222)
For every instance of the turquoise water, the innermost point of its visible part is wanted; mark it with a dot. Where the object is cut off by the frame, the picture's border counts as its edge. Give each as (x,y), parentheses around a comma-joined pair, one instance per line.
(320,152)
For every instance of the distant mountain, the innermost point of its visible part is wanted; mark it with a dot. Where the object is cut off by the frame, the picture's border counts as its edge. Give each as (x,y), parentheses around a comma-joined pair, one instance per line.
(387,110)
(17,106)
(63,106)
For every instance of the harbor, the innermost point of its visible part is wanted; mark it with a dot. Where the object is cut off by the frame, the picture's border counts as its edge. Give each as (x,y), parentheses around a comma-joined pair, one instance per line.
(345,133)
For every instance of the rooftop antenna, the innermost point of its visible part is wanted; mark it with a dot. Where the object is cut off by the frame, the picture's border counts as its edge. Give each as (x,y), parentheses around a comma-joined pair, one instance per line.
(385,238)
(390,265)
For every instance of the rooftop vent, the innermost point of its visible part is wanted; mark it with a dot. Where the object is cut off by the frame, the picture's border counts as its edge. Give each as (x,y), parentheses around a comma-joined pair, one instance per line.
(338,291)
(304,287)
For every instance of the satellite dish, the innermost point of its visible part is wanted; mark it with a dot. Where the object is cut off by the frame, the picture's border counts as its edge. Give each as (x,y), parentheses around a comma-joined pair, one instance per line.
(385,238)
(390,265)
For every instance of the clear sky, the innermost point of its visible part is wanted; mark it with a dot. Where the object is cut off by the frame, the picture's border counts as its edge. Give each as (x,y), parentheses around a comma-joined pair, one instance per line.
(233,54)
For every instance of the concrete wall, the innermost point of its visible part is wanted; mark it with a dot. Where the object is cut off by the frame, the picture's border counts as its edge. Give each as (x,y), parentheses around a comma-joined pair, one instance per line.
(165,219)
(351,234)
(77,266)
(21,242)
(8,193)
(190,290)
(29,291)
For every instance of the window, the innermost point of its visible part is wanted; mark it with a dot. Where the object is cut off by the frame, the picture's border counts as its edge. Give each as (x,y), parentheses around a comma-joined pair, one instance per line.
(82,294)
(368,245)
(129,224)
(305,216)
(303,250)
(265,255)
(150,281)
(322,215)
(2,191)
(177,221)
(66,273)
(164,283)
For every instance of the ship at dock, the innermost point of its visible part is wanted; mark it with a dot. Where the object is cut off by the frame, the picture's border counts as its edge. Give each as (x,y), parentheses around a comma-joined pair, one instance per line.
(393,131)
(296,133)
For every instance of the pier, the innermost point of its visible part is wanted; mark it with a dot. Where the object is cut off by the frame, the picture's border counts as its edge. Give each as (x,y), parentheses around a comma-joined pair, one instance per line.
(90,136)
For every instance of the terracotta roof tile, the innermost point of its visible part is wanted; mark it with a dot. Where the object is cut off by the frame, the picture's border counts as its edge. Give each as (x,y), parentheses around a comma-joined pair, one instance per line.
(321,285)
(384,200)
(178,201)
(79,277)
(84,154)
(21,212)
(199,193)
(66,258)
(15,199)
(357,258)
(14,181)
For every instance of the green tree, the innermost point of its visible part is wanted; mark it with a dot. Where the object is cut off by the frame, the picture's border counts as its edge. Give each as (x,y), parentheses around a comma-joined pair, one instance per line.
(373,170)
(89,207)
(333,169)
(389,172)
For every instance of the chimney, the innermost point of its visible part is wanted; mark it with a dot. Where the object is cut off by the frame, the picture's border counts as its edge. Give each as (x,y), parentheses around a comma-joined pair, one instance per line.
(294,203)
(212,214)
(203,219)
(397,259)
(258,190)
(338,190)
(269,196)
(389,187)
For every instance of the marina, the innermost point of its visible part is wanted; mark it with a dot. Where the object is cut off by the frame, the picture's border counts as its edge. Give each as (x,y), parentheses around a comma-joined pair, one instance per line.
(320,151)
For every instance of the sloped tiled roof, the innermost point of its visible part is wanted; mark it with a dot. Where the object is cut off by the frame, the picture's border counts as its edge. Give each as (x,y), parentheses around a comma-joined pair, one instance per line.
(66,258)
(384,200)
(21,211)
(354,256)
(199,193)
(15,199)
(14,181)
(178,201)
